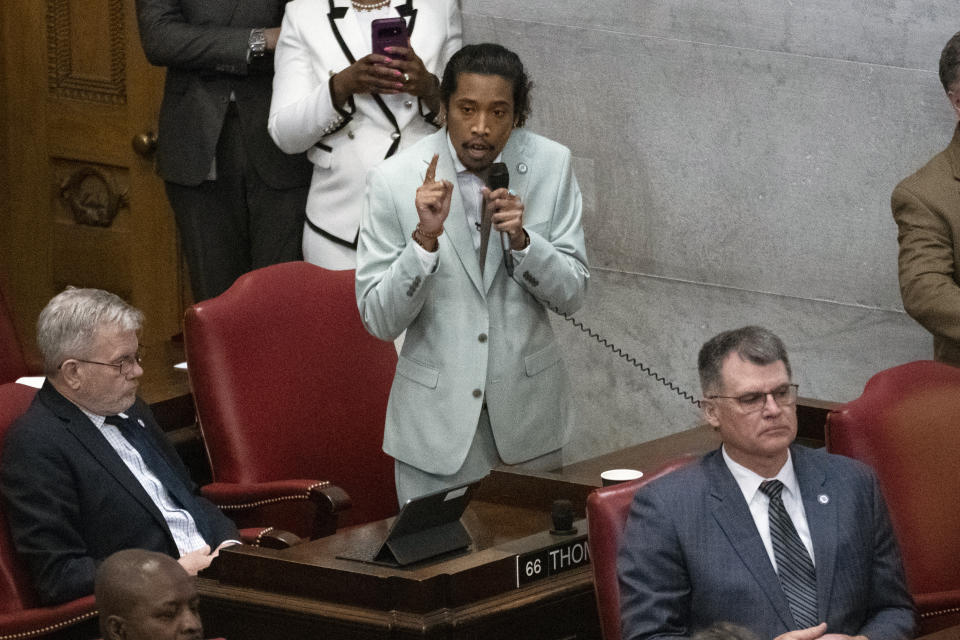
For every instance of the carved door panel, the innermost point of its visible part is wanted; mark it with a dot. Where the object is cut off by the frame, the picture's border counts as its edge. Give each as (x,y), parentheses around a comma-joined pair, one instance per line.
(81,206)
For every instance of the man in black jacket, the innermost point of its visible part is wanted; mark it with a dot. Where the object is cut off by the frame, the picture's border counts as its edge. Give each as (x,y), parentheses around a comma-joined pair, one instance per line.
(86,471)
(239,200)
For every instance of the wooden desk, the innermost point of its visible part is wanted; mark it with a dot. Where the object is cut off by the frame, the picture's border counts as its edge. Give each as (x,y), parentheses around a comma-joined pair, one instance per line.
(307,591)
(167,390)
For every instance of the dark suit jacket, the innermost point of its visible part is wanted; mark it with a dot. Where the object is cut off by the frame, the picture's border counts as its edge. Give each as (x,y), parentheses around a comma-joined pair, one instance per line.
(692,556)
(204,44)
(70,501)
(926,207)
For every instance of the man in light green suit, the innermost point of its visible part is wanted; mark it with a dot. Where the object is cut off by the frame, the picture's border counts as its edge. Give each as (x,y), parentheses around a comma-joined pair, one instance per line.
(480,381)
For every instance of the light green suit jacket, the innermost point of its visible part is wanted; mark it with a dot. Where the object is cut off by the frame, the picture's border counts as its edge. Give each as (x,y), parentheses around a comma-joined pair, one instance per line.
(473,338)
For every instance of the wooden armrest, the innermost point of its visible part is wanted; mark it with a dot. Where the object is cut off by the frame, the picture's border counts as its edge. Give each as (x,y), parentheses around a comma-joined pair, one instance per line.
(327,500)
(269,538)
(331,500)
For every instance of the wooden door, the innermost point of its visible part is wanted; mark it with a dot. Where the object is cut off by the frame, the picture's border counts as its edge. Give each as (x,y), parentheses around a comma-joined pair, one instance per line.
(79,206)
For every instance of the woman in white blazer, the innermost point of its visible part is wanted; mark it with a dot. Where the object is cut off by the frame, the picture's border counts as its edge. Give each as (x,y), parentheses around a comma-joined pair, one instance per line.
(348,108)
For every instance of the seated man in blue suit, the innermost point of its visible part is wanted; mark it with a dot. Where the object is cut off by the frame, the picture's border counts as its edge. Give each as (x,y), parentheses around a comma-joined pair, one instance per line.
(86,471)
(781,539)
(480,381)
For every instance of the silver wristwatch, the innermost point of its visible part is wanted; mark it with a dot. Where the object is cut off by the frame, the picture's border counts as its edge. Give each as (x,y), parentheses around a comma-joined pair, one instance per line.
(257,43)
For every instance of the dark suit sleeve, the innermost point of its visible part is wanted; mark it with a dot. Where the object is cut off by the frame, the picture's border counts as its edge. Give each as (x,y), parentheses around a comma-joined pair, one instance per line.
(892,616)
(654,583)
(43,512)
(170,39)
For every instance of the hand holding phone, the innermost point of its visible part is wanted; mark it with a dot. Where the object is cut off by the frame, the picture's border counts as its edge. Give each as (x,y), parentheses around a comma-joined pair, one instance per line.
(388,32)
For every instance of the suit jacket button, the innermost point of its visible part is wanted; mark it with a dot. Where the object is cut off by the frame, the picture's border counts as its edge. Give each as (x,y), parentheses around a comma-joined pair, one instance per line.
(477,393)
(394,135)
(482,337)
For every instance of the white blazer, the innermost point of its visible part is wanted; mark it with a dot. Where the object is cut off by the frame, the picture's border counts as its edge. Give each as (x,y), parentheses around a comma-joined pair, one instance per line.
(302,114)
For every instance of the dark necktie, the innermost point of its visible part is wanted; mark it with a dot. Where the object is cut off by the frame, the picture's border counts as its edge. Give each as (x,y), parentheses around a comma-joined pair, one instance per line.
(798,578)
(486,220)
(139,440)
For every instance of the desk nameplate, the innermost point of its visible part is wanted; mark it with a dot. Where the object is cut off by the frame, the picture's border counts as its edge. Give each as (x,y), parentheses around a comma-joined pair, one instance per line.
(552,560)
(313,570)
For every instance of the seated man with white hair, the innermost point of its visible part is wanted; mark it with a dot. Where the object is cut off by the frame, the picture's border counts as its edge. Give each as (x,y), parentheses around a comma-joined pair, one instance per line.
(86,471)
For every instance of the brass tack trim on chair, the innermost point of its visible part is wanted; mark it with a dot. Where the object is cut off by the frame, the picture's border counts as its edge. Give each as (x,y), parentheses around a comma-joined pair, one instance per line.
(249,505)
(261,534)
(928,614)
(52,627)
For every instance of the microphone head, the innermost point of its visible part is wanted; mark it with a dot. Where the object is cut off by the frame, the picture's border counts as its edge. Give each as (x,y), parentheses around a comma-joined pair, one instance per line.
(562,515)
(498,177)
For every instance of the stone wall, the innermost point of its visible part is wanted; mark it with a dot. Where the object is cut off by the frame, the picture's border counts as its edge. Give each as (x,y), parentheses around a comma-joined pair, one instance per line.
(736,160)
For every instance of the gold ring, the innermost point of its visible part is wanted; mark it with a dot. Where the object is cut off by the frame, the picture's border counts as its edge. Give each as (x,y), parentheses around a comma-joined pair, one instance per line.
(406,77)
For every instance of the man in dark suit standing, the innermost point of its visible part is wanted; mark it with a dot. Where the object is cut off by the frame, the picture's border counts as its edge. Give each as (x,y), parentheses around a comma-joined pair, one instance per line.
(239,201)
(86,471)
(926,206)
(789,542)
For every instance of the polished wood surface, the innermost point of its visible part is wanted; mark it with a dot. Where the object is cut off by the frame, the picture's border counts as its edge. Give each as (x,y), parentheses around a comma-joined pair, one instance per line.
(950,633)
(166,388)
(308,591)
(475,595)
(76,90)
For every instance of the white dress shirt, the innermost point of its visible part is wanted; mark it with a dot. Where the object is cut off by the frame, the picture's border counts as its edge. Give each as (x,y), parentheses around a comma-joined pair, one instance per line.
(182,526)
(759,502)
(470,186)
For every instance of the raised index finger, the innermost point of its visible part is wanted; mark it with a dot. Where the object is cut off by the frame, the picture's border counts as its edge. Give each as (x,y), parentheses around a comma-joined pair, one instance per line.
(431,170)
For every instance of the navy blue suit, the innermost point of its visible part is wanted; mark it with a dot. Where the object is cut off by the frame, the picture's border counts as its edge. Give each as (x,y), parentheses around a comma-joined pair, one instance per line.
(691,554)
(70,501)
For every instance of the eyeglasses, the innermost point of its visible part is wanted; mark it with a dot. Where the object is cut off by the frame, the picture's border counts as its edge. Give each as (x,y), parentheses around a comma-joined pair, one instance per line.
(124,366)
(785,396)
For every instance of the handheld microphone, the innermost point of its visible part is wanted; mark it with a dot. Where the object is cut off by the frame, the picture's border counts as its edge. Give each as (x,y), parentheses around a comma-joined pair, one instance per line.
(499,178)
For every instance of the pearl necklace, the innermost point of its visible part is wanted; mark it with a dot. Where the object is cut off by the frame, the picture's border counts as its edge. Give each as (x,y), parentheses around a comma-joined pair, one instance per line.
(370,7)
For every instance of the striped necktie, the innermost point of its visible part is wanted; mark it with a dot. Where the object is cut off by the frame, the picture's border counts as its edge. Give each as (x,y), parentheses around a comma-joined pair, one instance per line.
(798,578)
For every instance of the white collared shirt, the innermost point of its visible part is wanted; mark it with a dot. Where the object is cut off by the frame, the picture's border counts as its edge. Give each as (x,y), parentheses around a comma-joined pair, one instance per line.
(759,502)
(182,526)
(470,186)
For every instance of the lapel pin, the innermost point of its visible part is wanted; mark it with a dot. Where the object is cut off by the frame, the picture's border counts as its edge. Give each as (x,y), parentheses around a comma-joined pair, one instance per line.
(522,168)
(823,498)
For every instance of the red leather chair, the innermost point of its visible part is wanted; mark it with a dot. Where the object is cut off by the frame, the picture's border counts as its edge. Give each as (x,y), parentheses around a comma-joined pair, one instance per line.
(906,425)
(20,616)
(13,363)
(289,385)
(607,511)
